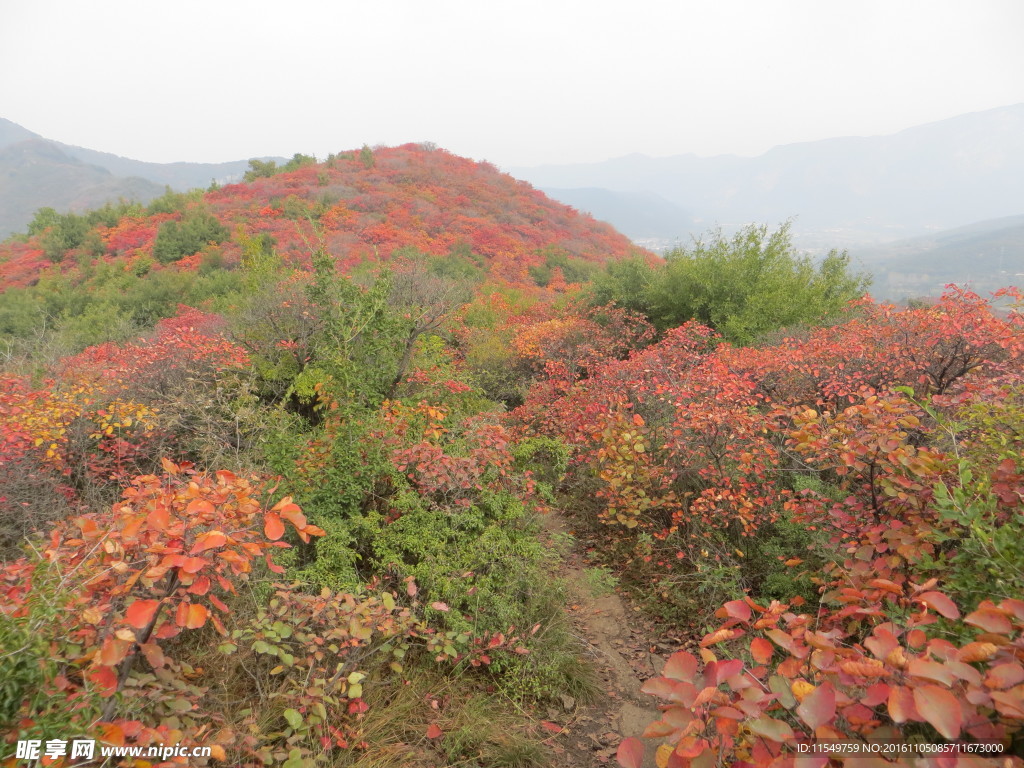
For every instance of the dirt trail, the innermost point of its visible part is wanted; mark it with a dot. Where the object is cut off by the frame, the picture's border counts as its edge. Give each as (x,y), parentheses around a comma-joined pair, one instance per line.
(623,650)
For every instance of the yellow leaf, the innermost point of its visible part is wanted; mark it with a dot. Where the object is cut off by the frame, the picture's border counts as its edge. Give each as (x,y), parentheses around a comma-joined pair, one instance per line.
(800,689)
(663,754)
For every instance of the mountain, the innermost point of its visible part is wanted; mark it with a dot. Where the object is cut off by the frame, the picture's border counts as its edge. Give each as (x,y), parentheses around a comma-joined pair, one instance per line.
(638,215)
(35,173)
(178,176)
(842,191)
(985,256)
(359,206)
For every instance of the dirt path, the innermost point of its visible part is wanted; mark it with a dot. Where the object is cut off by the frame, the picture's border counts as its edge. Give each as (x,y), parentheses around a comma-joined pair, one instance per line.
(623,651)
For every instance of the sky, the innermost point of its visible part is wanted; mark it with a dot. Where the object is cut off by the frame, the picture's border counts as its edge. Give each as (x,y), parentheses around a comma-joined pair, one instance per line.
(516,83)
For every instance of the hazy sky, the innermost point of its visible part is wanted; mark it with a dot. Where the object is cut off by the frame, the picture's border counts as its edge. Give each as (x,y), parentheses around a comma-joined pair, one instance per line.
(516,83)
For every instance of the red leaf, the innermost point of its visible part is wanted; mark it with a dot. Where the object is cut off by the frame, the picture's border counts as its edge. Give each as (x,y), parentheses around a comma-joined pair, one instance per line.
(141,612)
(549,726)
(272,526)
(434,732)
(736,609)
(105,679)
(939,602)
(819,706)
(940,708)
(630,753)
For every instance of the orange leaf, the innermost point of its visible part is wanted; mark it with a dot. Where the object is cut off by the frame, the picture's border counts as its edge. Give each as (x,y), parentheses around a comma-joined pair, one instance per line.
(273,528)
(196,617)
(141,612)
(991,620)
(113,651)
(169,466)
(199,507)
(209,540)
(159,518)
(761,650)
(193,564)
(434,732)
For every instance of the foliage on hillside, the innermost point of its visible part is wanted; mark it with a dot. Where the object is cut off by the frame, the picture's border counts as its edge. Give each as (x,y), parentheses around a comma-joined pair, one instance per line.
(370,204)
(283,522)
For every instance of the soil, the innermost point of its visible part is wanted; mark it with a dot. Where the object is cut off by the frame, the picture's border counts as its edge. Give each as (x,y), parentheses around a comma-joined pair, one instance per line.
(623,649)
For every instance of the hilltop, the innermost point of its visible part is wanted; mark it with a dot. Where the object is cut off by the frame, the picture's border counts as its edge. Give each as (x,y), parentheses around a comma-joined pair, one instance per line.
(357,205)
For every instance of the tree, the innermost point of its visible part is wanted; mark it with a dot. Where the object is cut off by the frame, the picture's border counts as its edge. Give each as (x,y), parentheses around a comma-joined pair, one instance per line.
(751,283)
(260,169)
(742,287)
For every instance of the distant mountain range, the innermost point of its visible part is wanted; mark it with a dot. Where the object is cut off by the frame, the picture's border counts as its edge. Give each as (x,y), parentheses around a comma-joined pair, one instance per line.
(841,191)
(36,172)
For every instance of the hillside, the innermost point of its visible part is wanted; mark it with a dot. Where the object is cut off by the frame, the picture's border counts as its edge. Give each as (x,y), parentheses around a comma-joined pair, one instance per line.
(357,206)
(987,256)
(844,190)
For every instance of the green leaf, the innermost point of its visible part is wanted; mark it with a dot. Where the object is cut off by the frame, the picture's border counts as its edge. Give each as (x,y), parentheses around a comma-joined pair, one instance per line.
(772,729)
(293,717)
